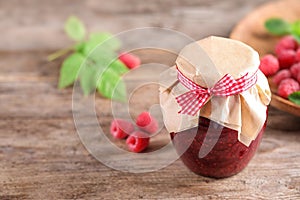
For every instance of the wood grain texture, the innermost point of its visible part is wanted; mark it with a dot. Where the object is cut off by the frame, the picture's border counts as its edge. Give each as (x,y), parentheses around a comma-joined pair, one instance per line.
(41,154)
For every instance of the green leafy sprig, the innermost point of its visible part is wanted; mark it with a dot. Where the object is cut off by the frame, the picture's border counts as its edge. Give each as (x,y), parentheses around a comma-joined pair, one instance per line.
(280,27)
(295,97)
(92,61)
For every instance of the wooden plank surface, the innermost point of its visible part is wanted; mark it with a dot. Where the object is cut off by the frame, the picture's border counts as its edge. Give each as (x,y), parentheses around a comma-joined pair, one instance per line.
(41,154)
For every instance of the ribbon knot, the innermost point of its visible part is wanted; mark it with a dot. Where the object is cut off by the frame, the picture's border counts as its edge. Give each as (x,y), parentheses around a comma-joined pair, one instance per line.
(209,91)
(193,100)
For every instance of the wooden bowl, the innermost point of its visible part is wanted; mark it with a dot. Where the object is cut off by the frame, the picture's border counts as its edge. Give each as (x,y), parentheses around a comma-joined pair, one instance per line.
(251,31)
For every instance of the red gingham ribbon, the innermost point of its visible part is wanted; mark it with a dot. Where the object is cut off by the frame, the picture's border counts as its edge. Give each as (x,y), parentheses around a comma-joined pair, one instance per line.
(191,101)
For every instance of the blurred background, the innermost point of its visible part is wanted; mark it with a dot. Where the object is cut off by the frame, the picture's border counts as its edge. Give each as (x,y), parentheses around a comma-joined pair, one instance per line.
(38,24)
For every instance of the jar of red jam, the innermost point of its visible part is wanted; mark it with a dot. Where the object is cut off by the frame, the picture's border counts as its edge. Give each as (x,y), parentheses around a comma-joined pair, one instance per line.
(214,103)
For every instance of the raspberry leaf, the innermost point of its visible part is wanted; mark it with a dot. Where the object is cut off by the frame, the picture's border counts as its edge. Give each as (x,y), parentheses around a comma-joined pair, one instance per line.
(118,67)
(75,28)
(295,97)
(296,27)
(102,56)
(88,75)
(278,26)
(69,69)
(112,86)
(107,39)
(103,41)
(79,47)
(295,30)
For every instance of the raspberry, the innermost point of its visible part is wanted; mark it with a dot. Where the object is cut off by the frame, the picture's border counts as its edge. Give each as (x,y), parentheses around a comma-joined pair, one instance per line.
(286,43)
(269,65)
(137,141)
(281,75)
(146,122)
(287,58)
(298,78)
(295,70)
(287,87)
(120,128)
(130,60)
(298,55)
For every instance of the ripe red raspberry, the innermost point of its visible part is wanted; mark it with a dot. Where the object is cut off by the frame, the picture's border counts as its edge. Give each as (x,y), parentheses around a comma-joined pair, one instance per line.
(295,70)
(298,78)
(281,75)
(130,60)
(269,65)
(137,141)
(286,43)
(287,87)
(120,128)
(147,123)
(287,58)
(298,55)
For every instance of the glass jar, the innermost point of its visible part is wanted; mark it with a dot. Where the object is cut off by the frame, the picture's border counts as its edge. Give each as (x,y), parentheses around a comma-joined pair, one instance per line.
(228,155)
(214,103)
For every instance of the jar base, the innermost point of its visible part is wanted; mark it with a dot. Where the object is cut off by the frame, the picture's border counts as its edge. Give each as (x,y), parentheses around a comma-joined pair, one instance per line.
(212,150)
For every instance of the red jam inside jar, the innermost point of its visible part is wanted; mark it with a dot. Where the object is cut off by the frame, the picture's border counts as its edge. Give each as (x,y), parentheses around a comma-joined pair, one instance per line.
(227,156)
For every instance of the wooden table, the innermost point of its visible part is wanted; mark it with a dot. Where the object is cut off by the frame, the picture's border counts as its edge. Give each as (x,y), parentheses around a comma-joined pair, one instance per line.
(41,155)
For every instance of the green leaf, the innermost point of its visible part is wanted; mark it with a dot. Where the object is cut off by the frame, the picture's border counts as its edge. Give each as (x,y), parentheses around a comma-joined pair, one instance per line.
(104,41)
(295,30)
(278,26)
(296,27)
(111,42)
(118,67)
(79,47)
(112,86)
(102,56)
(295,97)
(99,52)
(88,78)
(69,70)
(75,28)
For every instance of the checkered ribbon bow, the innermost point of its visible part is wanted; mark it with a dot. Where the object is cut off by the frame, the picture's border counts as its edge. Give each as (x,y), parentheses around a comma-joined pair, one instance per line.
(192,101)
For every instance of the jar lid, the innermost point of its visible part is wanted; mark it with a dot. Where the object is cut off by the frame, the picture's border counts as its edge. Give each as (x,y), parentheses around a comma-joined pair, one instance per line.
(206,61)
